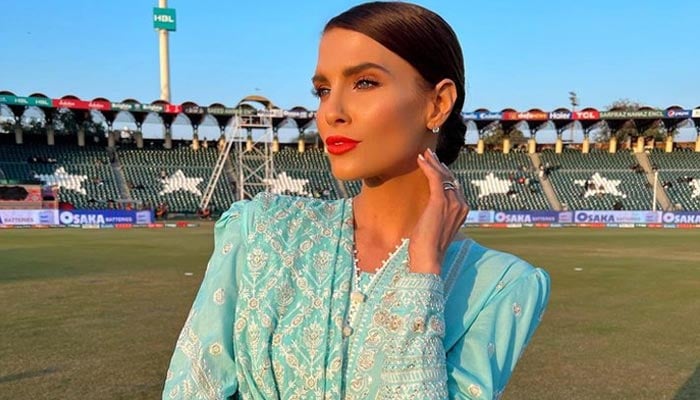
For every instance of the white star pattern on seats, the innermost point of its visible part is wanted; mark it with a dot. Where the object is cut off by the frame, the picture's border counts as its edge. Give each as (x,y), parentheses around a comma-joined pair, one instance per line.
(609,186)
(283,183)
(491,184)
(178,181)
(63,179)
(695,183)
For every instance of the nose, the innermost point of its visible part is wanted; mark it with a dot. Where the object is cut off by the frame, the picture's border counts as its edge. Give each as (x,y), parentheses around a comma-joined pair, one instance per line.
(335,108)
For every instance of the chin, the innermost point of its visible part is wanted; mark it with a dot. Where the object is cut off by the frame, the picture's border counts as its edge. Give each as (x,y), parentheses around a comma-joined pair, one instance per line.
(345,174)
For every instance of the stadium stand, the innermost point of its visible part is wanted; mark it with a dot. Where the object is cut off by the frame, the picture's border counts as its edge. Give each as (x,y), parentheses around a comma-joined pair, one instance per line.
(493,180)
(311,165)
(176,176)
(679,174)
(497,181)
(597,180)
(84,174)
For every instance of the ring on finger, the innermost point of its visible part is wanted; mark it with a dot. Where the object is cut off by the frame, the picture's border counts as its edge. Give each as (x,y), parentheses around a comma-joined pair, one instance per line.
(449,185)
(454,182)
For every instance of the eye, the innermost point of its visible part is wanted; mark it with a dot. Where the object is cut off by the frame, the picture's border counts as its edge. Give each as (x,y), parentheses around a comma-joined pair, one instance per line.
(319,92)
(365,83)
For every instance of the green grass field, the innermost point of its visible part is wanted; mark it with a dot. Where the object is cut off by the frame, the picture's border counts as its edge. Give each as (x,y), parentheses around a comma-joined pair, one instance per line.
(94,314)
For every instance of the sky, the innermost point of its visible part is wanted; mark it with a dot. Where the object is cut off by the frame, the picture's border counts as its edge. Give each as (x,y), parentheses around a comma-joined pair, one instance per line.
(518,54)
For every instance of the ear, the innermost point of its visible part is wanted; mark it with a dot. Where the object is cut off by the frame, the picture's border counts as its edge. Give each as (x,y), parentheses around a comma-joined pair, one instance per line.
(442,100)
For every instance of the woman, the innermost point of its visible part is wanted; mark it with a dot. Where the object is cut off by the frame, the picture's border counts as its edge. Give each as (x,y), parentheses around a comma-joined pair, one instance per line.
(378,296)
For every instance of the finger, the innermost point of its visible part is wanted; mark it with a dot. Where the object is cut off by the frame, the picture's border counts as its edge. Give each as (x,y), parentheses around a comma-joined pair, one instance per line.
(431,172)
(445,174)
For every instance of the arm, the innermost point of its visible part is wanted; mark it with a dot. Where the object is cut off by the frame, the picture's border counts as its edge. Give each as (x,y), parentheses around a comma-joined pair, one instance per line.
(415,362)
(480,364)
(202,365)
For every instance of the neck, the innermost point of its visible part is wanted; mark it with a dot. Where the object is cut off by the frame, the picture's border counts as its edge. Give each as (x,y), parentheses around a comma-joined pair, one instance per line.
(387,210)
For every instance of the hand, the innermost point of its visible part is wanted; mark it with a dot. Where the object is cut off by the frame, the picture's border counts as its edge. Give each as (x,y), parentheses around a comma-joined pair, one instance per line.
(441,220)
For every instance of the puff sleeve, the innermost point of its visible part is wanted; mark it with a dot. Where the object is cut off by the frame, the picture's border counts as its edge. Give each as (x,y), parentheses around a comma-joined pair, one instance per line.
(481,362)
(203,363)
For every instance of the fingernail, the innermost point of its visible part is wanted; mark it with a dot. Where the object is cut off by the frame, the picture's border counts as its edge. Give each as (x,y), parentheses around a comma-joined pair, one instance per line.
(444,165)
(432,153)
(421,157)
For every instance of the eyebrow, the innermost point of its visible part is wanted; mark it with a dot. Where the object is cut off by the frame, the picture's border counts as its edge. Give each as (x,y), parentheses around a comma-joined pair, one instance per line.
(349,71)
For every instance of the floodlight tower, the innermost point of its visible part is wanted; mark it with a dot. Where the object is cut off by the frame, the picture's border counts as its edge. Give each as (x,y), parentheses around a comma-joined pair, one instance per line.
(164,22)
(573,98)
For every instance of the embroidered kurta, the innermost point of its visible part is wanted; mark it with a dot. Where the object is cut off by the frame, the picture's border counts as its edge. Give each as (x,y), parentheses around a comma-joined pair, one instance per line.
(271,318)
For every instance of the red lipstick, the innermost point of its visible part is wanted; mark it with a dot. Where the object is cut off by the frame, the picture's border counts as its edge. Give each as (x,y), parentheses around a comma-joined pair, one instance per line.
(338,145)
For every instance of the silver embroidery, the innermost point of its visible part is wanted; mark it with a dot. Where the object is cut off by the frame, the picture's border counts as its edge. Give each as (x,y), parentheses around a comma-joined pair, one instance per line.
(474,390)
(227,248)
(219,296)
(517,309)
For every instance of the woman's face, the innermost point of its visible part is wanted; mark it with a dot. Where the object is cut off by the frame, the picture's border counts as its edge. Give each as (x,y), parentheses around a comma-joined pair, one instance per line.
(373,108)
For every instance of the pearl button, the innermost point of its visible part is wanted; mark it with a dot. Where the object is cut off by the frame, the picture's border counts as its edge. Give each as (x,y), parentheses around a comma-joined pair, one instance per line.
(347,330)
(357,297)
(474,390)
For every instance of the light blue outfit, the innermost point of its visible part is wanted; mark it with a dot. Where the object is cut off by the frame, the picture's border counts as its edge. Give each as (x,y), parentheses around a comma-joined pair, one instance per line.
(277,316)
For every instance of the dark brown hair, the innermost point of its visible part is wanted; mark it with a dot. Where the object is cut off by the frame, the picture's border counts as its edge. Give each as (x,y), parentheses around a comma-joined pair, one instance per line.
(424,40)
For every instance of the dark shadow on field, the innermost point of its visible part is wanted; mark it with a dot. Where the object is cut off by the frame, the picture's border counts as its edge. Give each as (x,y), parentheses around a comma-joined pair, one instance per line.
(691,388)
(27,374)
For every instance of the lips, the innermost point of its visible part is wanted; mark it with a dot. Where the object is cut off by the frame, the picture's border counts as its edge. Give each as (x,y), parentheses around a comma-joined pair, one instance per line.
(337,145)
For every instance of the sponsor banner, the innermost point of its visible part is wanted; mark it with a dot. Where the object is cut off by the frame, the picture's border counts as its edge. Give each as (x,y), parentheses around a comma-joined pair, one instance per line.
(25,101)
(194,110)
(587,115)
(479,217)
(28,217)
(164,18)
(533,116)
(616,217)
(104,217)
(71,103)
(126,106)
(681,217)
(222,111)
(158,108)
(510,116)
(560,115)
(529,217)
(100,105)
(566,217)
(483,116)
(677,113)
(173,109)
(631,114)
(136,107)
(297,114)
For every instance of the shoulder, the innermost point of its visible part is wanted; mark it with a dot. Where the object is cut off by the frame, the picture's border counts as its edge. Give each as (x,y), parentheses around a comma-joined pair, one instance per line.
(266,208)
(475,275)
(486,265)
(277,207)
